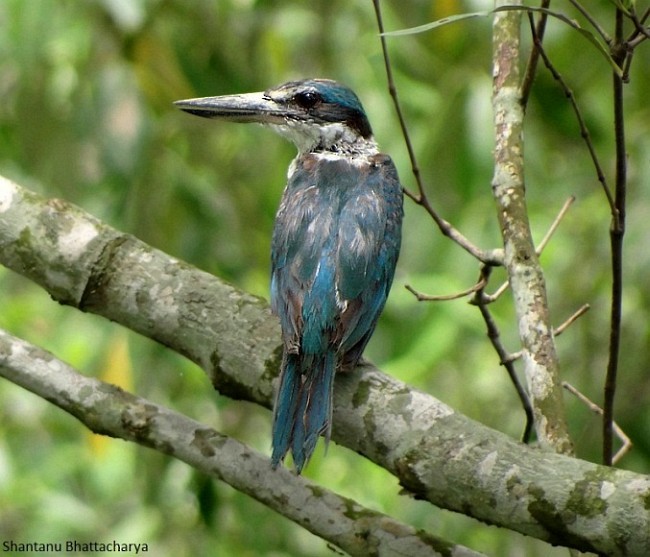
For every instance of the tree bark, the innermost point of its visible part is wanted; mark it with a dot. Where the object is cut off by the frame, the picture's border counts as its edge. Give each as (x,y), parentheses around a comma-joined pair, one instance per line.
(436,453)
(108,410)
(525,275)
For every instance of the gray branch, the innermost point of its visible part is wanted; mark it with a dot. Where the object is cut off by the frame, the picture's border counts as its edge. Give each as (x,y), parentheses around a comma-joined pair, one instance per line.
(436,453)
(541,364)
(109,410)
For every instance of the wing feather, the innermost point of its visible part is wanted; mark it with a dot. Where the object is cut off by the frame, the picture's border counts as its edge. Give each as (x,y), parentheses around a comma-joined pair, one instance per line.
(335,247)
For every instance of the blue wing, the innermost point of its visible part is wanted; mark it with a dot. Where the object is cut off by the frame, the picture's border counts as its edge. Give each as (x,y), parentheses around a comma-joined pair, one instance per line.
(335,247)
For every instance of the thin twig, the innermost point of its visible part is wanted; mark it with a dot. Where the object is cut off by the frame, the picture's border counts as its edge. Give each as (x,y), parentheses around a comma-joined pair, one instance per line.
(584,131)
(557,331)
(625,440)
(512,357)
(492,257)
(446,297)
(625,75)
(489,257)
(632,44)
(533,59)
(555,224)
(616,233)
(599,29)
(639,35)
(489,298)
(415,169)
(640,32)
(504,357)
(645,16)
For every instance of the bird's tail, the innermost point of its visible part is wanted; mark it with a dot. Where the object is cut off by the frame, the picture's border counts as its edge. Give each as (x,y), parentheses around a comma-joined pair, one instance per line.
(303,407)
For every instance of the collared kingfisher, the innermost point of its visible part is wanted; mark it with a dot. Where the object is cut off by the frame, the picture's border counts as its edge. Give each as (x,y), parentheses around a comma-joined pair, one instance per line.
(335,245)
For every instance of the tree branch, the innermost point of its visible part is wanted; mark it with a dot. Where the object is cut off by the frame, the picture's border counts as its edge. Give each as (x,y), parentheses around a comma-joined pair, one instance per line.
(108,410)
(522,264)
(616,234)
(436,453)
(533,58)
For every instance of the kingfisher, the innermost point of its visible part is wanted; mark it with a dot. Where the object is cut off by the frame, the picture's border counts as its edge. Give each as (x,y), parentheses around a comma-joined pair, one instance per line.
(336,241)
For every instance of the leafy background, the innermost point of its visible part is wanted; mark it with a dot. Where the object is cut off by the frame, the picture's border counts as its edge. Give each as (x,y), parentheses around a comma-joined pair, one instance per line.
(86,115)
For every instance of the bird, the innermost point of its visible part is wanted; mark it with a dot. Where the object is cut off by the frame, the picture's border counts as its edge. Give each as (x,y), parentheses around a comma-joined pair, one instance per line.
(335,245)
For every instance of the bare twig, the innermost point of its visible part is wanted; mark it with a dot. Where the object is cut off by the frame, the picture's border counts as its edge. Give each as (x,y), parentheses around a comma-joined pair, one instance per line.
(415,169)
(597,27)
(539,249)
(554,225)
(640,32)
(533,59)
(489,298)
(557,331)
(504,357)
(446,297)
(489,257)
(584,131)
(625,440)
(616,233)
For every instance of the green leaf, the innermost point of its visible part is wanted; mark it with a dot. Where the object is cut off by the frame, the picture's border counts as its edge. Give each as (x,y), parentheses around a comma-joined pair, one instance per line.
(591,37)
(436,24)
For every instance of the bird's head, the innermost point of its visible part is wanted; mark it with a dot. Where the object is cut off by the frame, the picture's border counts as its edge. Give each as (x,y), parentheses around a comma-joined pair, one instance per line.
(315,114)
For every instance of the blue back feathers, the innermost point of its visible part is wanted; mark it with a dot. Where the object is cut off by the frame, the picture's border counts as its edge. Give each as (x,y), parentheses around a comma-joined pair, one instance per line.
(335,247)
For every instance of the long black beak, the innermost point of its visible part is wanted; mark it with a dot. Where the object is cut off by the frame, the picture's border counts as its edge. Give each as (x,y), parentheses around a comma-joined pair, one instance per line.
(248,107)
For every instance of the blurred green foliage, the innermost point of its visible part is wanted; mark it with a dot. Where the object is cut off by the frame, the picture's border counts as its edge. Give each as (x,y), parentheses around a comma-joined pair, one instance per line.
(86,114)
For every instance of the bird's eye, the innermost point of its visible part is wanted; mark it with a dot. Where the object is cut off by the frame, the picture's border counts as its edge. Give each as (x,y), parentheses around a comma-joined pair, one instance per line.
(307,99)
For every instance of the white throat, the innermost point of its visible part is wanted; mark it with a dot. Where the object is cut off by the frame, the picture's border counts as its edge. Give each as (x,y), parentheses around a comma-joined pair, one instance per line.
(336,136)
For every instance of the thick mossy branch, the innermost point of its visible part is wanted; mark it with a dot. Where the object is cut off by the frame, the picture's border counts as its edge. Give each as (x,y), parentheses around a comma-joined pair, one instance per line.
(109,410)
(436,453)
